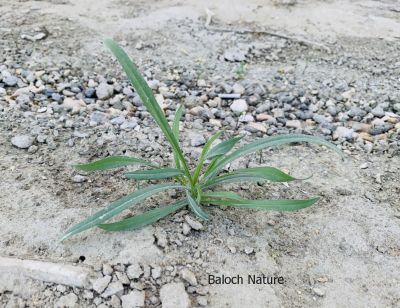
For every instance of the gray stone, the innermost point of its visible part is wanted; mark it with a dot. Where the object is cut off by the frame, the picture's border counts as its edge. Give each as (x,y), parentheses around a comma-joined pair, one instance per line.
(378,112)
(156,272)
(194,224)
(73,105)
(22,141)
(238,106)
(173,295)
(133,299)
(10,80)
(319,292)
(104,91)
(129,124)
(196,139)
(99,285)
(98,117)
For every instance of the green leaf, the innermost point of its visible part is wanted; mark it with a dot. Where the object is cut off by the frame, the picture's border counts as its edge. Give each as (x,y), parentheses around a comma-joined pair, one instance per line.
(113,162)
(195,207)
(117,207)
(223,147)
(270,142)
(175,130)
(147,218)
(220,195)
(147,98)
(203,156)
(153,174)
(275,205)
(250,174)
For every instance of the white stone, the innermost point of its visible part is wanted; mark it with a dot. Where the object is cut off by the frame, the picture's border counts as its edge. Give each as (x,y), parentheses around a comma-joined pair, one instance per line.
(133,299)
(188,276)
(104,91)
(67,301)
(173,295)
(74,276)
(238,106)
(194,224)
(99,285)
(73,105)
(134,271)
(114,288)
(22,141)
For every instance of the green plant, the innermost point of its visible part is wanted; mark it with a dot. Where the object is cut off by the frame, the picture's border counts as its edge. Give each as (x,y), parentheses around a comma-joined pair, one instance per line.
(240,71)
(195,184)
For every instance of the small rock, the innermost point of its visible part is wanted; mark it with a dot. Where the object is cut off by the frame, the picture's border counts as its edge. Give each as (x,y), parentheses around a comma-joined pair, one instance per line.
(196,139)
(133,299)
(79,178)
(293,124)
(10,80)
(22,141)
(98,117)
(134,271)
(246,118)
(107,269)
(364,166)
(202,300)
(186,228)
(248,250)
(115,302)
(194,224)
(343,132)
(238,106)
(67,301)
(104,91)
(238,88)
(99,285)
(156,272)
(173,295)
(378,112)
(188,276)
(319,292)
(113,288)
(73,105)
(254,127)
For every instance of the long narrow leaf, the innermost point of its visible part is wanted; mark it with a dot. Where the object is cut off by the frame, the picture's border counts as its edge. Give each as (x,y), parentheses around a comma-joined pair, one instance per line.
(153,174)
(223,147)
(270,142)
(148,98)
(229,195)
(139,221)
(195,207)
(275,205)
(175,130)
(203,156)
(117,207)
(250,174)
(113,162)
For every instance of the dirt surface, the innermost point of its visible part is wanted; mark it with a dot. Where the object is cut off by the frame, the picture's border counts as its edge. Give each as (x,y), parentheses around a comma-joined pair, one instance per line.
(342,252)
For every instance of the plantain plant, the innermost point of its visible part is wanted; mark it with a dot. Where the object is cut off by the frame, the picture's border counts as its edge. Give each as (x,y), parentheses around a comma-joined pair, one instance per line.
(195,184)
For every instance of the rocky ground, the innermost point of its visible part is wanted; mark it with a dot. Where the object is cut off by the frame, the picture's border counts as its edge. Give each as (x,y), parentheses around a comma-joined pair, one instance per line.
(64,100)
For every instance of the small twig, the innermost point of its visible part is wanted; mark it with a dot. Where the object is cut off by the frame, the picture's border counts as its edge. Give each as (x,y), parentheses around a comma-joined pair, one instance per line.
(278,35)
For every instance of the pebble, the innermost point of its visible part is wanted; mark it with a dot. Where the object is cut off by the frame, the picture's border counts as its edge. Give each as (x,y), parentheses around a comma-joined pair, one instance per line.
(255,127)
(293,124)
(114,288)
(98,117)
(378,112)
(319,292)
(186,228)
(196,139)
(79,178)
(133,299)
(107,269)
(134,271)
(173,295)
(100,284)
(10,80)
(67,301)
(22,141)
(156,272)
(74,106)
(188,276)
(343,132)
(238,106)
(248,250)
(104,91)
(202,300)
(194,224)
